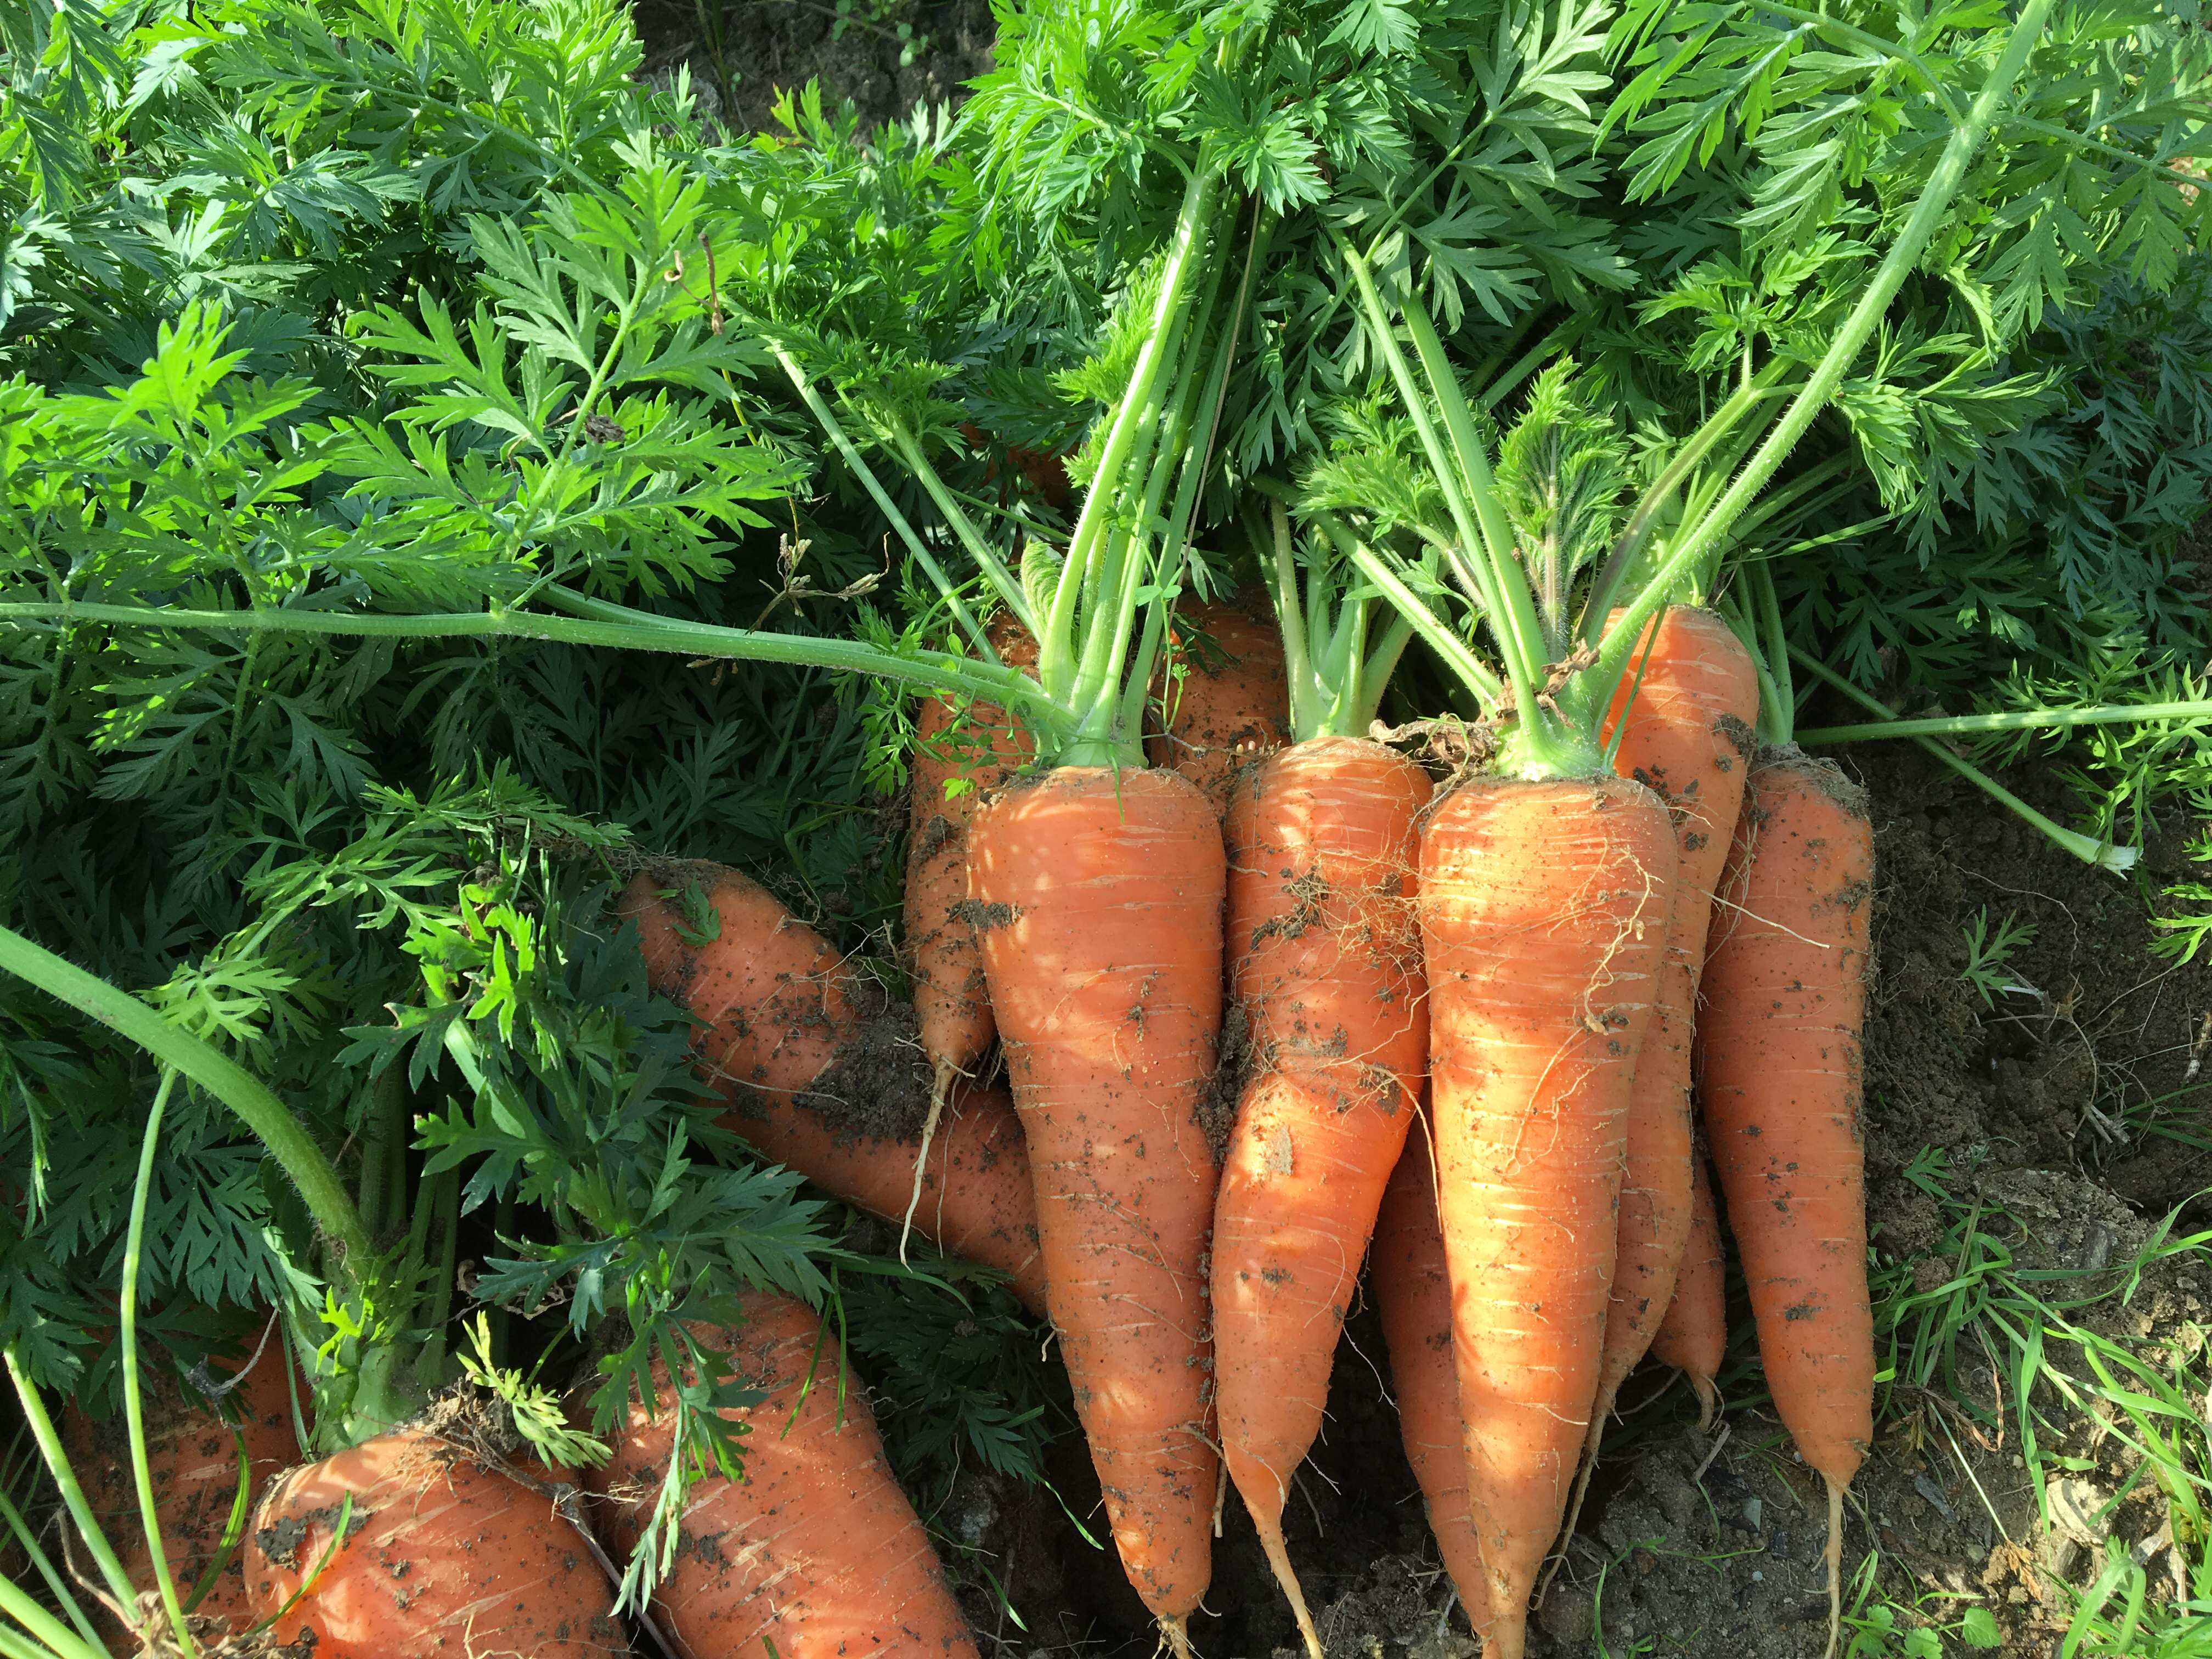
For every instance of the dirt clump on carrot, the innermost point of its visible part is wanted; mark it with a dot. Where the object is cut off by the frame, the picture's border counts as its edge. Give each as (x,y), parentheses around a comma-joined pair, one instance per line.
(878,1084)
(781,1015)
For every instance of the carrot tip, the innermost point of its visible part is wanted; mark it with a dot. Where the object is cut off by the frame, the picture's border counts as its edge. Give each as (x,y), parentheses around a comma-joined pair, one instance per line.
(942,1073)
(1709,1402)
(1835,1555)
(1278,1557)
(1175,1635)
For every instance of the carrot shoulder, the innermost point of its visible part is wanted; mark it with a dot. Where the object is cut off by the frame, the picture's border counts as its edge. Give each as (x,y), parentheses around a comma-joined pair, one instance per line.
(1543,909)
(1099,894)
(816,1554)
(1327,977)
(443,1552)
(1228,706)
(1781,1071)
(778,1022)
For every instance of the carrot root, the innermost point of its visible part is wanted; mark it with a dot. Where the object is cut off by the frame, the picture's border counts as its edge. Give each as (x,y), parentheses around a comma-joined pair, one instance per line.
(1279,1558)
(1835,1560)
(1709,1402)
(1175,1632)
(942,1072)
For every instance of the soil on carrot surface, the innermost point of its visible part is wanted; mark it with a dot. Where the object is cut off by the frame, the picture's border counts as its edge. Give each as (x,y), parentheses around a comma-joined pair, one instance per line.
(2020,1151)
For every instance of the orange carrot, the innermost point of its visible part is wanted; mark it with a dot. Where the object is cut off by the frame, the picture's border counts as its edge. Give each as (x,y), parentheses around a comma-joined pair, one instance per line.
(1781,1075)
(1543,909)
(1100,891)
(1694,1336)
(1230,706)
(192,1453)
(1683,713)
(1328,974)
(442,1551)
(774,996)
(1412,1293)
(949,995)
(816,1554)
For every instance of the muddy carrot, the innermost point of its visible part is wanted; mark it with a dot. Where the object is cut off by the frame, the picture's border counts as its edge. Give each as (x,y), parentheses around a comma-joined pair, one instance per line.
(816,1554)
(1683,718)
(1326,978)
(957,755)
(192,1450)
(1100,897)
(443,1550)
(781,1019)
(1781,1076)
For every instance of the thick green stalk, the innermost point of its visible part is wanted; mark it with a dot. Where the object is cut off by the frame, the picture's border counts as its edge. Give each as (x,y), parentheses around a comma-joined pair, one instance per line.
(1480,574)
(2106,855)
(268,1117)
(1520,627)
(2013,719)
(57,1465)
(601,623)
(1865,317)
(134,1401)
(1186,249)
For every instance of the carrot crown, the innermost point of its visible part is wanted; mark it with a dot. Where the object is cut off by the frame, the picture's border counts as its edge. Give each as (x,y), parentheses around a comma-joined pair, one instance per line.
(1513,540)
(1124,557)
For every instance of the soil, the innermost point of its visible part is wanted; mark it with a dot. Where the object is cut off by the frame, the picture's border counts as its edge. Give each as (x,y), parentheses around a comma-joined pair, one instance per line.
(745,54)
(2066,1109)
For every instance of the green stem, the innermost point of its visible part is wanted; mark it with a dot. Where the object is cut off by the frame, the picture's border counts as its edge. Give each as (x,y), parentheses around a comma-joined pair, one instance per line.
(2013,719)
(28,1542)
(1781,725)
(134,1403)
(1865,317)
(270,1120)
(1479,573)
(57,1465)
(61,1642)
(601,623)
(2106,855)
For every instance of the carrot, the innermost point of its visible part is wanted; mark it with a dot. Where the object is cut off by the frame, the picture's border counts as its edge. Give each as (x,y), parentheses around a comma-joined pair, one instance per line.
(816,1554)
(1100,893)
(1683,715)
(949,995)
(779,1017)
(1412,1294)
(1781,1071)
(442,1550)
(1327,975)
(192,1453)
(1543,909)
(1694,1336)
(1230,704)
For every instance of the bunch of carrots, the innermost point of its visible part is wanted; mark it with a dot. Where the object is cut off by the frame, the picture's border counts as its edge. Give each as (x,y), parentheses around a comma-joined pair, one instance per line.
(1473,1016)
